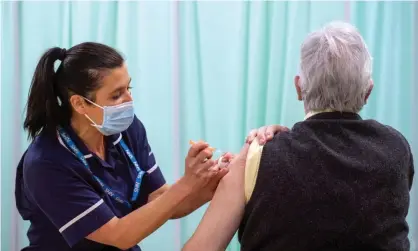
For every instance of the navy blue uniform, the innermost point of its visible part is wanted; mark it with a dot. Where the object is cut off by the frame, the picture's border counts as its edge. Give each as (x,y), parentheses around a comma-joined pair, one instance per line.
(62,199)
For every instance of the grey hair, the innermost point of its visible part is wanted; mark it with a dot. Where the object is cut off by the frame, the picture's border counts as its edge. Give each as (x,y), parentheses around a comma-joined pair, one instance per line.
(335,69)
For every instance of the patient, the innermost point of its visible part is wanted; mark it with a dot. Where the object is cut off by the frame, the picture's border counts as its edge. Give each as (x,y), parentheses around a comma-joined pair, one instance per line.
(335,181)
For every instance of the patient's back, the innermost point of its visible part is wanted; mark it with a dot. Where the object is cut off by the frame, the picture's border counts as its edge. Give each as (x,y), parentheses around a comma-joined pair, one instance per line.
(334,182)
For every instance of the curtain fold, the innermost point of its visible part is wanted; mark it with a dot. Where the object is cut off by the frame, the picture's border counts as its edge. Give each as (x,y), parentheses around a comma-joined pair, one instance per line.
(413,217)
(203,70)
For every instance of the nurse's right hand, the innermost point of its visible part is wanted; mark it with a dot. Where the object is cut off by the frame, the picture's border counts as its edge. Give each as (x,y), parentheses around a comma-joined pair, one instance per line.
(199,166)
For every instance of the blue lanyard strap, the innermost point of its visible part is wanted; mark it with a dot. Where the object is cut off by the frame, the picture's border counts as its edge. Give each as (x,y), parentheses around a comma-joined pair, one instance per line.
(141,173)
(70,143)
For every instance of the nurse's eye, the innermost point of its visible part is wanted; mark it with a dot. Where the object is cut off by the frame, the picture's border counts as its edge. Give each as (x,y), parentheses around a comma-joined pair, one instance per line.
(119,94)
(116,95)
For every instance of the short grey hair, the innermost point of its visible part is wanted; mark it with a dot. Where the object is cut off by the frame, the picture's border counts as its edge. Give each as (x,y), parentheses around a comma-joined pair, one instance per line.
(335,69)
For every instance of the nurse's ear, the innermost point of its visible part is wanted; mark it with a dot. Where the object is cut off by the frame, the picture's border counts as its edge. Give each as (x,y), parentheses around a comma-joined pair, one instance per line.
(78,104)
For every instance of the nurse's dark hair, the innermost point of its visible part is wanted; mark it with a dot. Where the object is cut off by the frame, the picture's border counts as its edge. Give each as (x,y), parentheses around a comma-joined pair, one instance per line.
(79,72)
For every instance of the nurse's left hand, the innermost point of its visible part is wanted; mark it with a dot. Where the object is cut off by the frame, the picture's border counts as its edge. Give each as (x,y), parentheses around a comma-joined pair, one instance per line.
(222,169)
(209,190)
(265,133)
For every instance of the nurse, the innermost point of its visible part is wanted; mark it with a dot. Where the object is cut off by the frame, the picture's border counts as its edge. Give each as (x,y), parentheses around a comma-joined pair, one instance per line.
(89,179)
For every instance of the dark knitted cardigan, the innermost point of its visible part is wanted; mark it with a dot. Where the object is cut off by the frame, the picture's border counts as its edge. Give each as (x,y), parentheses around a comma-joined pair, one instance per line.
(334,182)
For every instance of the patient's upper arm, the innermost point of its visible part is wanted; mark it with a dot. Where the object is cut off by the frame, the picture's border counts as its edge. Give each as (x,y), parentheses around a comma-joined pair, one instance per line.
(226,209)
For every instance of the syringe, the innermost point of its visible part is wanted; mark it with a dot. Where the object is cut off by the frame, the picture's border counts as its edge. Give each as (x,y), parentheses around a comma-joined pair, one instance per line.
(216,154)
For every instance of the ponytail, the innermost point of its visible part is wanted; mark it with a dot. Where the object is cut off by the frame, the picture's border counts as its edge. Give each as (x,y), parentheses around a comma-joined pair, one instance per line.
(43,110)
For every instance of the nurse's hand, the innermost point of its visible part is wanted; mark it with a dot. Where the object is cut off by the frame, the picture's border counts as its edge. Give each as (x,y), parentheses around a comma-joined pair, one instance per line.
(221,166)
(199,169)
(200,179)
(265,133)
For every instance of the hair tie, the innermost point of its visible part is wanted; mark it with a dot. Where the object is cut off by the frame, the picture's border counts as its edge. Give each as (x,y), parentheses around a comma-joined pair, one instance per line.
(62,55)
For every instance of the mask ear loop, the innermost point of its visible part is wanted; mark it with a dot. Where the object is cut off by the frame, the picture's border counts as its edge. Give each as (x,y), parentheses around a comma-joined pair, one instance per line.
(91,102)
(87,116)
(93,123)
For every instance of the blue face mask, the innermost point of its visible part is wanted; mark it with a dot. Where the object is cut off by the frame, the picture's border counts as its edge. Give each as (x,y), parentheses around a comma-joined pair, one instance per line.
(116,119)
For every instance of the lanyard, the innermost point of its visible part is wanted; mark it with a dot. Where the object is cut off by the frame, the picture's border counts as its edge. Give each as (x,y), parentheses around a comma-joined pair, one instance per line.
(70,143)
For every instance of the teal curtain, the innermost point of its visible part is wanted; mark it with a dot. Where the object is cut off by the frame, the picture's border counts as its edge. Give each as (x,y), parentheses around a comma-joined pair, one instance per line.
(202,70)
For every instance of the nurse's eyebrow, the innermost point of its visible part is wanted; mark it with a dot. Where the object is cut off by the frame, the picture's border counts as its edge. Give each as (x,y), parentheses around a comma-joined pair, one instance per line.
(121,88)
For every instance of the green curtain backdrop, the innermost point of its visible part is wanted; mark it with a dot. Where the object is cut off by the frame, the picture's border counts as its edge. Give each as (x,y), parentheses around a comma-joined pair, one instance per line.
(202,70)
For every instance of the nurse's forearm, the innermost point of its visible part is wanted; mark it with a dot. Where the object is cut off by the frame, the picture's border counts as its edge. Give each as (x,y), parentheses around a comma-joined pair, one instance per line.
(193,202)
(128,231)
(190,205)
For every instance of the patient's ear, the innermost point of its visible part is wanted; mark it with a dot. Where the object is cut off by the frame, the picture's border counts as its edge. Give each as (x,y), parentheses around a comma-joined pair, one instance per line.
(369,91)
(297,86)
